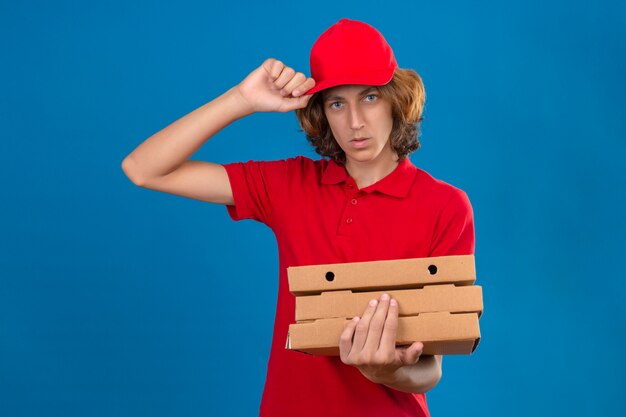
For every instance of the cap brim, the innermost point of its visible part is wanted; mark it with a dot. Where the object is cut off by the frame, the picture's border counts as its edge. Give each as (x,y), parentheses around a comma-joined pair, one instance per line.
(365,78)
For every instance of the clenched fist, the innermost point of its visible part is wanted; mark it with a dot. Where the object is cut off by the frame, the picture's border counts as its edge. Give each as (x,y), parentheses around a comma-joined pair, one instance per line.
(275,87)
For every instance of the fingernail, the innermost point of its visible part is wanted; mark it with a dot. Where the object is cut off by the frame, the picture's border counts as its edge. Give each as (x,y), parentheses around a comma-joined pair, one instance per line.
(373,303)
(393,302)
(384,297)
(296,92)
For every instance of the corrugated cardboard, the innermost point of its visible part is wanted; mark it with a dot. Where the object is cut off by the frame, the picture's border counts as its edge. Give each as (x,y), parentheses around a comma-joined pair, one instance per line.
(382,275)
(429,299)
(441,333)
(438,305)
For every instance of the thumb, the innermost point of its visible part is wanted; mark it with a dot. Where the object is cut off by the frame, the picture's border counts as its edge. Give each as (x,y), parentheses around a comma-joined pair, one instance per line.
(293,103)
(413,353)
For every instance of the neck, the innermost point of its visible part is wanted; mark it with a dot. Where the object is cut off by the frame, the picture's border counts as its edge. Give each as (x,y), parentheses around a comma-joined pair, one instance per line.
(368,172)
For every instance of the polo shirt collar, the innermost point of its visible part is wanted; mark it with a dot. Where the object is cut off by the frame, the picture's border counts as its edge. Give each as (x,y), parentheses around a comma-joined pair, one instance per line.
(397,183)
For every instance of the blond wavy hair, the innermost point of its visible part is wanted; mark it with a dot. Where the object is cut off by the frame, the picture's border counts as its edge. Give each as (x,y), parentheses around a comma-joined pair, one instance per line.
(406,93)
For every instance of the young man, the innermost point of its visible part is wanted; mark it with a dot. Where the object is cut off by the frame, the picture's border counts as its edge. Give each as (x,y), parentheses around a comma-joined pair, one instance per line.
(366,202)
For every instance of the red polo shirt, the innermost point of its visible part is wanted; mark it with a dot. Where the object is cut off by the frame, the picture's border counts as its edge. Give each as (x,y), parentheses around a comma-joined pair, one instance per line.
(319,216)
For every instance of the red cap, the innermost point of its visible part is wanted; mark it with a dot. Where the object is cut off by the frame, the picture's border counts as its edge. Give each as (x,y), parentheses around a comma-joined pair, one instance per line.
(351,52)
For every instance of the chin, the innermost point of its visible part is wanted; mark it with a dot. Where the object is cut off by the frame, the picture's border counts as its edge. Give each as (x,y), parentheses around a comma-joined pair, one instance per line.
(366,154)
(362,158)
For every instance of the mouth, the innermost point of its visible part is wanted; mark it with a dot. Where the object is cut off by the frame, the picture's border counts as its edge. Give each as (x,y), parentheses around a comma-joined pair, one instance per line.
(359,143)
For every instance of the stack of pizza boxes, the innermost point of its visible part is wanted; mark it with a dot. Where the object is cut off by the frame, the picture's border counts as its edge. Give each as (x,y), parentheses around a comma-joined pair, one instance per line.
(438,303)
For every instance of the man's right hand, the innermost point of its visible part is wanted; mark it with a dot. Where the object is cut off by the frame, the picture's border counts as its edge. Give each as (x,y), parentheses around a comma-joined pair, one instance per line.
(275,87)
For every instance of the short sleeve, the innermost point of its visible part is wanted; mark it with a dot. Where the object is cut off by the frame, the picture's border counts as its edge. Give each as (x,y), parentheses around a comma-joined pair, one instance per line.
(454,230)
(257,188)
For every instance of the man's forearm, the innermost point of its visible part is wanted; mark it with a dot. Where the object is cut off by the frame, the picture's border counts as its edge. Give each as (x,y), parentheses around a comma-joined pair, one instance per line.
(168,148)
(418,378)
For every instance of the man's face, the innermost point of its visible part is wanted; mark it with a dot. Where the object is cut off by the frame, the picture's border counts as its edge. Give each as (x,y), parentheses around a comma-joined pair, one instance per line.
(361,122)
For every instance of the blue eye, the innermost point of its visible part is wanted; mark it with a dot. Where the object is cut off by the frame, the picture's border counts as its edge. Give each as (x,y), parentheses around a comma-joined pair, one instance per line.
(332,105)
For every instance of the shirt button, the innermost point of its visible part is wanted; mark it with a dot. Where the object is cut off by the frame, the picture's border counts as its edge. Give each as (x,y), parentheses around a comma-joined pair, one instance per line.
(354,201)
(349,220)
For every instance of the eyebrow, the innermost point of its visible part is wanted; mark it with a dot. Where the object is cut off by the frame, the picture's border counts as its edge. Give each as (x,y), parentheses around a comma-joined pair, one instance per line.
(337,97)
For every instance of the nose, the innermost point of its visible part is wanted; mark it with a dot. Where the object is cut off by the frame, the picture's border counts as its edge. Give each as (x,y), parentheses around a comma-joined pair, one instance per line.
(356,118)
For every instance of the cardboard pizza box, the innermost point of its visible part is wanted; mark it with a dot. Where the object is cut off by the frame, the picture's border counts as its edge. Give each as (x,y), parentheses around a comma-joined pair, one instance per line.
(442,333)
(382,275)
(438,305)
(429,299)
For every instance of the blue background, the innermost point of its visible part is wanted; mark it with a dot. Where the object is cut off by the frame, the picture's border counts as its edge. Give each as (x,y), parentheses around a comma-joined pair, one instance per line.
(122,301)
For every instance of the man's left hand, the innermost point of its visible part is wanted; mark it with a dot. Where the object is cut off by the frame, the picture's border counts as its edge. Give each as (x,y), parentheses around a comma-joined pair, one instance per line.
(369,342)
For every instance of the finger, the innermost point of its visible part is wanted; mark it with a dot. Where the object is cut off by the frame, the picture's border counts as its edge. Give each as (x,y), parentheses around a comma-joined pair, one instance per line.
(412,354)
(295,103)
(303,101)
(304,87)
(273,67)
(388,338)
(362,328)
(297,79)
(285,76)
(345,340)
(377,324)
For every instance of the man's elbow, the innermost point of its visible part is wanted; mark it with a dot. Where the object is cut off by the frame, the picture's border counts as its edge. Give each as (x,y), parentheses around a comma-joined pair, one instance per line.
(131,173)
